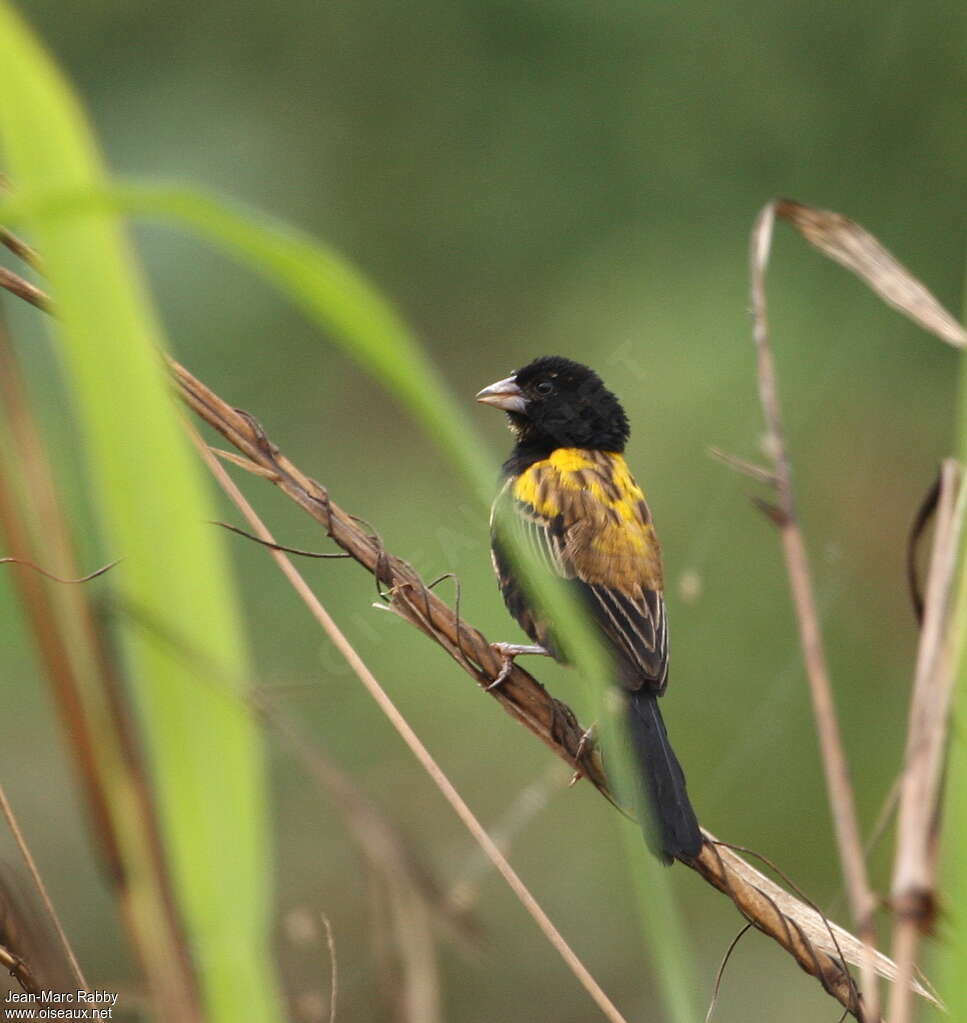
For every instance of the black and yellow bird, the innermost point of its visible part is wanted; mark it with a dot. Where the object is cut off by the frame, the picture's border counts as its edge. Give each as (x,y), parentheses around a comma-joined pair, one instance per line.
(568,495)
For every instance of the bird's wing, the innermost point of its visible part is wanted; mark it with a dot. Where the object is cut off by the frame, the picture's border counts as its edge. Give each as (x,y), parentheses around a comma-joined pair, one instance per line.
(591,524)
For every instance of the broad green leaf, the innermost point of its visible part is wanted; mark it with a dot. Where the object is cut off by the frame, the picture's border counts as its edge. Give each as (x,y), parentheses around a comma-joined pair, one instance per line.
(181,631)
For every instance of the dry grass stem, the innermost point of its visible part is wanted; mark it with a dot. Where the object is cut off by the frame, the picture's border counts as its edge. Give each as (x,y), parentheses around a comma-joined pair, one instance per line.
(880,825)
(414,743)
(20,970)
(77,660)
(21,952)
(16,285)
(333,970)
(848,244)
(20,249)
(244,463)
(821,947)
(402,883)
(529,802)
(840,790)
(740,465)
(42,891)
(914,874)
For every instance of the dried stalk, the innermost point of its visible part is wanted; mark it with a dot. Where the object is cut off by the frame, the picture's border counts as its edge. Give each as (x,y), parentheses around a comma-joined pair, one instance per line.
(409,890)
(7,810)
(16,285)
(913,893)
(840,790)
(797,927)
(819,946)
(850,245)
(20,970)
(23,954)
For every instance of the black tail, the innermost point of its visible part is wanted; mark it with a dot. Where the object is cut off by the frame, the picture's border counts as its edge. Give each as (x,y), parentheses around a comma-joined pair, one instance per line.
(673,829)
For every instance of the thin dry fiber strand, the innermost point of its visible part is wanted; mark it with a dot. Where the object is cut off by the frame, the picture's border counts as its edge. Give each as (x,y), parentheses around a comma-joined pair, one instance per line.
(522,696)
(39,884)
(406,884)
(29,950)
(388,855)
(19,950)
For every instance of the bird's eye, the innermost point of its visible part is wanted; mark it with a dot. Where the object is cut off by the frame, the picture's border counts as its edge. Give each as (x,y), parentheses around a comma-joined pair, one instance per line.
(544,387)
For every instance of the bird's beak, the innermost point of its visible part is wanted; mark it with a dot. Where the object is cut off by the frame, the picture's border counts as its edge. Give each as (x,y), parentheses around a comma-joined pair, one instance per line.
(505,394)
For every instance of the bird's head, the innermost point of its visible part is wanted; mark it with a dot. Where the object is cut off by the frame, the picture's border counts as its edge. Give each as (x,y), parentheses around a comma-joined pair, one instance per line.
(556,403)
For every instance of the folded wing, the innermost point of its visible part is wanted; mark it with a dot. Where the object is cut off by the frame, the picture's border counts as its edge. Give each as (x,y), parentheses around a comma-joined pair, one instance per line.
(590,526)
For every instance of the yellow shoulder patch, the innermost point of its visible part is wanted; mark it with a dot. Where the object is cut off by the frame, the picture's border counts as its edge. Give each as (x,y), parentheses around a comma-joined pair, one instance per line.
(603,513)
(604,475)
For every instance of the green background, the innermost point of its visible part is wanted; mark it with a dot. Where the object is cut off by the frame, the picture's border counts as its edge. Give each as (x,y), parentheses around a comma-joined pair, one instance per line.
(523,179)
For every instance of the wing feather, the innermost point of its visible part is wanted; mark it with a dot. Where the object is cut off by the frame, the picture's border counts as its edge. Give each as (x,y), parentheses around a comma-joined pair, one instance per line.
(592,526)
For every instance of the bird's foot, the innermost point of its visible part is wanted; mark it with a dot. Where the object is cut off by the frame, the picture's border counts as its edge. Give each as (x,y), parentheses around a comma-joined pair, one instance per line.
(508,651)
(586,739)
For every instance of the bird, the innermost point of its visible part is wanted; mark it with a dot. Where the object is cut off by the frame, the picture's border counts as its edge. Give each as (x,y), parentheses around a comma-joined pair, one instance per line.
(567,493)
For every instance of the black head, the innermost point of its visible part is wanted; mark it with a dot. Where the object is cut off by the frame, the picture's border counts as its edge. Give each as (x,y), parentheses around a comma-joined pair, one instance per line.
(555,403)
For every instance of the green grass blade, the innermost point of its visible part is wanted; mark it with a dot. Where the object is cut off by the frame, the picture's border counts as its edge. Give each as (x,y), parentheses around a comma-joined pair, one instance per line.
(152,507)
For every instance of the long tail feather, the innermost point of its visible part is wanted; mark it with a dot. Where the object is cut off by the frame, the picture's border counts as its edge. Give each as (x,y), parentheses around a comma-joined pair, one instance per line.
(671,828)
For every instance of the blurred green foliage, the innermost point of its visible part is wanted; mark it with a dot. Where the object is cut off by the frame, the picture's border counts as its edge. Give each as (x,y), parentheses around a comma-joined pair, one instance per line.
(520,179)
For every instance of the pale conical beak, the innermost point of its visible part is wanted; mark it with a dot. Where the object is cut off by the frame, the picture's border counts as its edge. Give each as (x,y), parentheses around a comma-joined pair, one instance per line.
(505,394)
